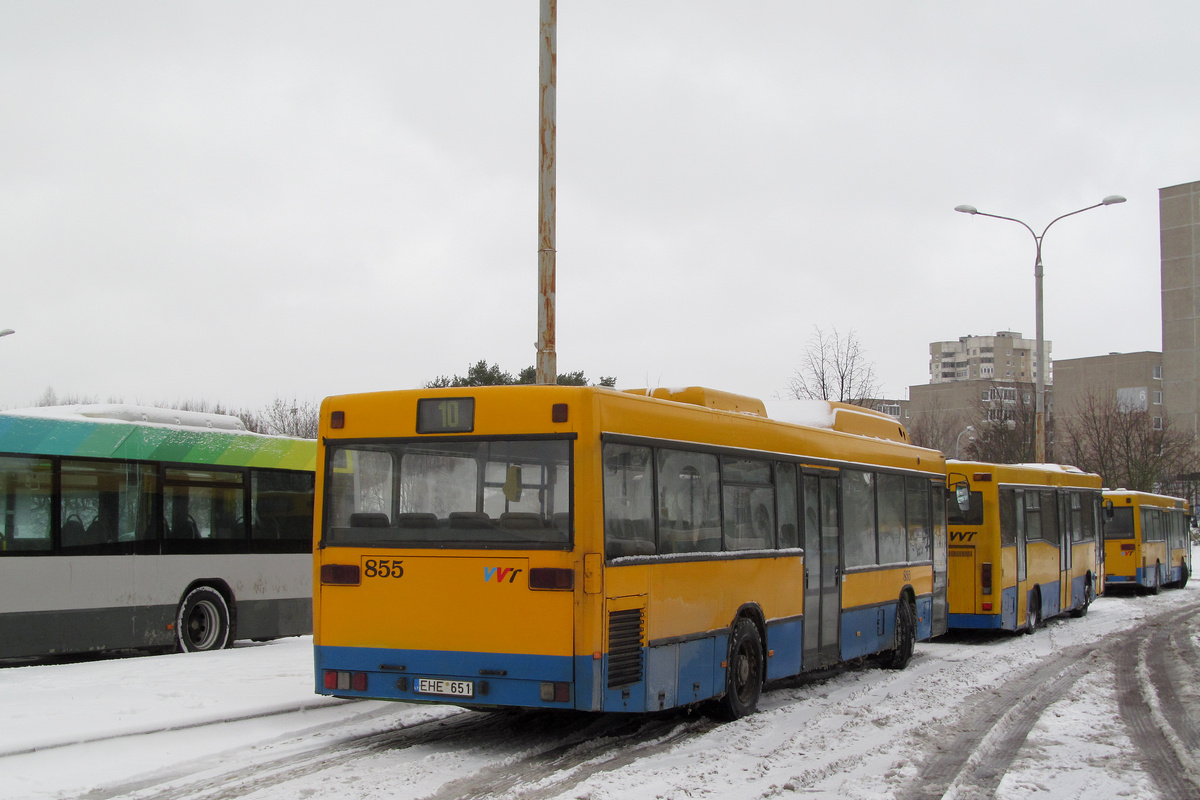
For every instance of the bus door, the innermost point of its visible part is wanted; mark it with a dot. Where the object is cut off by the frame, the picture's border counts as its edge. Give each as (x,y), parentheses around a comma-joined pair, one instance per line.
(1022,575)
(822,572)
(1066,543)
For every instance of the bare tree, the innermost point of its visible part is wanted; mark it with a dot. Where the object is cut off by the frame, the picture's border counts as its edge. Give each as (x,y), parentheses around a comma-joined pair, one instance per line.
(1006,426)
(293,417)
(834,368)
(1128,446)
(938,429)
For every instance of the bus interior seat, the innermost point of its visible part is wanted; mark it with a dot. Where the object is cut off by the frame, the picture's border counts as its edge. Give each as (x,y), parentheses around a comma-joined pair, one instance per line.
(416,519)
(369,519)
(521,520)
(470,519)
(73,533)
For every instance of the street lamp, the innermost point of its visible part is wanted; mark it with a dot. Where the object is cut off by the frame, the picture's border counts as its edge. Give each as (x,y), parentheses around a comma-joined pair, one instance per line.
(1040,399)
(969,429)
(7,331)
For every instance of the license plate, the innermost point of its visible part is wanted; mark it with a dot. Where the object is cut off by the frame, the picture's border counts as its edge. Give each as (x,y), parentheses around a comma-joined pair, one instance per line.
(452,688)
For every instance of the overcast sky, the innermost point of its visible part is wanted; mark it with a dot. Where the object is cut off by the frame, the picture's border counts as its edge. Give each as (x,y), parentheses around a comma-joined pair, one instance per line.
(238,201)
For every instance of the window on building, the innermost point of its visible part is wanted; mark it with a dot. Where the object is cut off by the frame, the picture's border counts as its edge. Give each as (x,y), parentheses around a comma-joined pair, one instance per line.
(1158,398)
(1158,423)
(1158,372)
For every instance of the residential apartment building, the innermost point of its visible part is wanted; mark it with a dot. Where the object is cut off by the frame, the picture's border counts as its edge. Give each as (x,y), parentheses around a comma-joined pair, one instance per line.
(1006,356)
(1179,236)
(1135,379)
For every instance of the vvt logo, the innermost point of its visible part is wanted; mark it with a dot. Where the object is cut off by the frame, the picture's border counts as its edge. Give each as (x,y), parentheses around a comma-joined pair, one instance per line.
(500,574)
(963,536)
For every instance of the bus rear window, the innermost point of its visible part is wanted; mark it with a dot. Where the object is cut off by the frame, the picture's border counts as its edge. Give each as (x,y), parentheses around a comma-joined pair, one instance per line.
(1120,526)
(509,494)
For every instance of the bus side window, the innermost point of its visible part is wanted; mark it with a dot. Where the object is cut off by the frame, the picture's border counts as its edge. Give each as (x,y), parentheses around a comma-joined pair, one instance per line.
(25,486)
(1008,518)
(917,518)
(628,501)
(858,517)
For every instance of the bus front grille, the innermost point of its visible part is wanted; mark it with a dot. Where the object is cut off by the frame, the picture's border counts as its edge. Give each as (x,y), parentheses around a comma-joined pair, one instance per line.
(624,647)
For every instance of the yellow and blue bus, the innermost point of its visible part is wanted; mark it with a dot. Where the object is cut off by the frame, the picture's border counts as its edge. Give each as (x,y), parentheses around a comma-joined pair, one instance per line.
(1026,547)
(587,548)
(1147,539)
(126,527)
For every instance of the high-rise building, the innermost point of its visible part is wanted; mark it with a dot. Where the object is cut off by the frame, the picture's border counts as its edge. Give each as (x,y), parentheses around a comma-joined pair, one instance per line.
(1179,233)
(1004,357)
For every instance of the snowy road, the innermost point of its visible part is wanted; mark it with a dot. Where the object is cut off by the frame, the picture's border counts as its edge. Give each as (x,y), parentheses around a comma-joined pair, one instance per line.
(1098,707)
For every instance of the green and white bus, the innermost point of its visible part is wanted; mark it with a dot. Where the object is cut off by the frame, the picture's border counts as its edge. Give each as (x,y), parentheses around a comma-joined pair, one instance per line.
(126,527)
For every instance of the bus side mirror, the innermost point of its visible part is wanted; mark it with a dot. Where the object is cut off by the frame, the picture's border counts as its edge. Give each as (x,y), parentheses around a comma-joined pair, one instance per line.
(962,495)
(1108,509)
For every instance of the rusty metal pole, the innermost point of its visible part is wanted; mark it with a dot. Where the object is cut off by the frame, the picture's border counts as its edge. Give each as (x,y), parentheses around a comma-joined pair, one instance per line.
(547,363)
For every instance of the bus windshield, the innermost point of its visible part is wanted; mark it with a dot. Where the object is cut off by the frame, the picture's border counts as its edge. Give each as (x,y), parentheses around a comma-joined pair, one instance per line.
(1121,524)
(498,493)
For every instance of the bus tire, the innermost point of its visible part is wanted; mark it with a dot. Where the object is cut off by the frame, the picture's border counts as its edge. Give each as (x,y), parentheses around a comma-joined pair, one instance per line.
(906,637)
(1157,587)
(743,677)
(1088,596)
(203,621)
(1033,614)
(1183,574)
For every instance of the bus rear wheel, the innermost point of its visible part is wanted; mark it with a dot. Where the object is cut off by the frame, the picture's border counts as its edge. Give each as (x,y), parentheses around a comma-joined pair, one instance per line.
(743,677)
(906,637)
(1183,574)
(203,621)
(1157,586)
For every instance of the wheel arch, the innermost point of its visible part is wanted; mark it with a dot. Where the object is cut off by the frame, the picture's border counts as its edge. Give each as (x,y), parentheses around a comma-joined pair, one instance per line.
(754,613)
(222,588)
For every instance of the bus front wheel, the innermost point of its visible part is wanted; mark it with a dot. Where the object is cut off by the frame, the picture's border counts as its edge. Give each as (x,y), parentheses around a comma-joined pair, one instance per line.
(203,621)
(1183,574)
(906,636)
(743,677)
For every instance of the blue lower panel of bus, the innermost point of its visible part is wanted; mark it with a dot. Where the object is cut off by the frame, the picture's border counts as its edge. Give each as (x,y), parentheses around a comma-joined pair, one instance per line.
(507,679)
(872,629)
(1050,595)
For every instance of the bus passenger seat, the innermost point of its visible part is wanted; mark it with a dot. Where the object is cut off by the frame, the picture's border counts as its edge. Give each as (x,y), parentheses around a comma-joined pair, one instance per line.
(369,519)
(416,519)
(521,520)
(470,519)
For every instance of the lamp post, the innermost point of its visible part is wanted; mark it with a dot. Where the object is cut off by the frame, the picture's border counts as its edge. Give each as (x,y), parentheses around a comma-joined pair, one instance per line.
(969,429)
(1040,398)
(7,331)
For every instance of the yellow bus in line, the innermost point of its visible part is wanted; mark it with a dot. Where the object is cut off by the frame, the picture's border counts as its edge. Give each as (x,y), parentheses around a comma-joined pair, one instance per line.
(1027,545)
(586,548)
(1147,540)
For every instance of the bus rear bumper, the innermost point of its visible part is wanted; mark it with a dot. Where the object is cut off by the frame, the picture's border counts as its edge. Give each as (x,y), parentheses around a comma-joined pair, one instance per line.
(465,679)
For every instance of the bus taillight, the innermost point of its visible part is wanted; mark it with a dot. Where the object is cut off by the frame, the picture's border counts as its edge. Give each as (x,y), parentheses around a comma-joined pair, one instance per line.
(552,579)
(336,681)
(340,574)
(985,577)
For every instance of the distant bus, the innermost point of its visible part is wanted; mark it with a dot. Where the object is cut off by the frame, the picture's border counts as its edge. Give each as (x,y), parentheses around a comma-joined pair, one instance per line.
(1026,548)
(128,527)
(585,548)
(1147,540)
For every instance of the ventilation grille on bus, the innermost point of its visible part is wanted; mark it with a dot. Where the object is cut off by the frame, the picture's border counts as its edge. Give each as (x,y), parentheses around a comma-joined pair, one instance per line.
(624,647)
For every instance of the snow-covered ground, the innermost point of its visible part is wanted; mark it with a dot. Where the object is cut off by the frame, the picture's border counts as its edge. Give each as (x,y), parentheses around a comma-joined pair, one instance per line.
(1056,714)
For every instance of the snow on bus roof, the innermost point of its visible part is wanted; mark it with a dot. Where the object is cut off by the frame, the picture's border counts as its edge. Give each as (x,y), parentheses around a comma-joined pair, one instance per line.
(119,412)
(813,413)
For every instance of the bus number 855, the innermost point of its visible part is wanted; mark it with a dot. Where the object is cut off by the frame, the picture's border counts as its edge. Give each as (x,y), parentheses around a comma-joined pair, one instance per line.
(383,568)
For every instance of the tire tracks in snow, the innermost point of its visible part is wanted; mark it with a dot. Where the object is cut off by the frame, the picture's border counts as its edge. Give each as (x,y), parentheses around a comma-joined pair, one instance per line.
(1153,655)
(1154,672)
